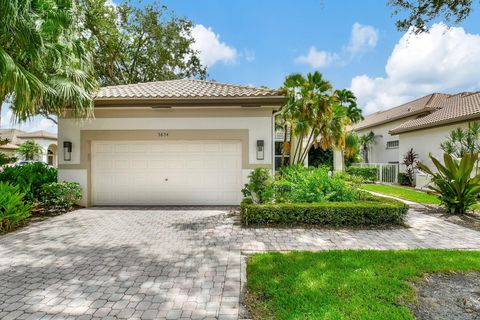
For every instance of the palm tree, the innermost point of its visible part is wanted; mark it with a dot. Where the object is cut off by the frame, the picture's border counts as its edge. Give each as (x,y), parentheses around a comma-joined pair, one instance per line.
(43,66)
(29,150)
(366,140)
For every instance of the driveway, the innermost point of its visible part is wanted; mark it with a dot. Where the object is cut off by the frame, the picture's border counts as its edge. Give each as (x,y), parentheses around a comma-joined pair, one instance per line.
(156,263)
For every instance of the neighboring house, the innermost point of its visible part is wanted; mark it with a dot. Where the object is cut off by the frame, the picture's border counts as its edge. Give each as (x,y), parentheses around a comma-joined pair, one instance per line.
(47,140)
(422,124)
(178,142)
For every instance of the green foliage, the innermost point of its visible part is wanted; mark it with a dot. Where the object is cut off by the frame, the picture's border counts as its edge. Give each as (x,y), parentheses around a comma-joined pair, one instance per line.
(317,157)
(456,189)
(370,212)
(345,284)
(461,141)
(368,174)
(420,13)
(299,184)
(13,209)
(44,68)
(29,178)
(403,179)
(60,196)
(29,150)
(409,161)
(316,114)
(132,44)
(260,186)
(366,140)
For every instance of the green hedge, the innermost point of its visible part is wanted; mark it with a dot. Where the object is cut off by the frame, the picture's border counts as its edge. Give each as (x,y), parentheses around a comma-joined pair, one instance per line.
(369,174)
(373,212)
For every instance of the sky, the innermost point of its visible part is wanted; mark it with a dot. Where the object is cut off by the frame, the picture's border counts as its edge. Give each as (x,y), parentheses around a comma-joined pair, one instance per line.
(354,44)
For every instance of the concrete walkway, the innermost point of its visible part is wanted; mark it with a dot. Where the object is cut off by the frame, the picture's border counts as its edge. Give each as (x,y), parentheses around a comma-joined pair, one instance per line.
(160,263)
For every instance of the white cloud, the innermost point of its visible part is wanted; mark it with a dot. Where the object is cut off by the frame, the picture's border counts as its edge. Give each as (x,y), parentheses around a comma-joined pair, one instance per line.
(363,37)
(36,123)
(443,60)
(317,59)
(211,49)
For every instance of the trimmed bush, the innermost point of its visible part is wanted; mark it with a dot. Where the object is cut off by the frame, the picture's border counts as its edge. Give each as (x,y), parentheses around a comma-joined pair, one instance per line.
(30,178)
(403,179)
(373,211)
(60,196)
(368,174)
(13,210)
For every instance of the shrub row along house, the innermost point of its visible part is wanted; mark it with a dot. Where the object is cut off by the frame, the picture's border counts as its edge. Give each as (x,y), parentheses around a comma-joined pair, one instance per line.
(422,124)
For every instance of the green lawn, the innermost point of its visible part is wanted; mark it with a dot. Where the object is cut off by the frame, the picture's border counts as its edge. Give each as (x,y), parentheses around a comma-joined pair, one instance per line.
(402,192)
(344,284)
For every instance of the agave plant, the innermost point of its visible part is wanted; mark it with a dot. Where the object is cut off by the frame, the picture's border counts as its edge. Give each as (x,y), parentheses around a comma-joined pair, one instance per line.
(453,183)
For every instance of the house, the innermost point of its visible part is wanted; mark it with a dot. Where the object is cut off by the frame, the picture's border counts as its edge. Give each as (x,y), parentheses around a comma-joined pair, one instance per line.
(177,142)
(422,124)
(47,140)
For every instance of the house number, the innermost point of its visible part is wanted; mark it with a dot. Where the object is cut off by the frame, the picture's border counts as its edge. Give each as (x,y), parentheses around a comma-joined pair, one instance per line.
(163,134)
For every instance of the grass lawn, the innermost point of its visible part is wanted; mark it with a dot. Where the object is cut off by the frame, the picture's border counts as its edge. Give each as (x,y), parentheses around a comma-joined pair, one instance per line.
(344,284)
(402,192)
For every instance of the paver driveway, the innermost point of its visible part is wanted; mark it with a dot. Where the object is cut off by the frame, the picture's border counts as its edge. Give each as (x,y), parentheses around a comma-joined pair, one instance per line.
(164,263)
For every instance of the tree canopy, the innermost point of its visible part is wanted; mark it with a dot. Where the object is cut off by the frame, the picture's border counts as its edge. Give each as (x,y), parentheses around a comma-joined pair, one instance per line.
(419,13)
(44,68)
(131,45)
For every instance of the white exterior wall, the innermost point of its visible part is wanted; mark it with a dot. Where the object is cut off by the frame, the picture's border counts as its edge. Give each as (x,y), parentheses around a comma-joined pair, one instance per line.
(427,141)
(44,143)
(260,128)
(378,152)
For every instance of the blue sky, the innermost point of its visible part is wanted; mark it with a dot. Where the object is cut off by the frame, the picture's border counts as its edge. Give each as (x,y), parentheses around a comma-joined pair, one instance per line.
(353,43)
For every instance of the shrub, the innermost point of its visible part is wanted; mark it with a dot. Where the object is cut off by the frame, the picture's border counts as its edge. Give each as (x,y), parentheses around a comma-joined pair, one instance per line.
(403,179)
(410,160)
(370,212)
(299,184)
(455,187)
(60,196)
(260,186)
(369,174)
(13,210)
(30,178)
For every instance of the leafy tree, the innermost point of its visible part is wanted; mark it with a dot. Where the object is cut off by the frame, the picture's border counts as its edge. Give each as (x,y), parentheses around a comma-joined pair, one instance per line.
(453,183)
(352,147)
(421,12)
(131,45)
(366,140)
(29,150)
(463,140)
(316,114)
(410,160)
(44,68)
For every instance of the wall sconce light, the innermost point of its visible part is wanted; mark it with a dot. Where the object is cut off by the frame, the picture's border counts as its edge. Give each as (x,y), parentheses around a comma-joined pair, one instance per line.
(260,150)
(67,150)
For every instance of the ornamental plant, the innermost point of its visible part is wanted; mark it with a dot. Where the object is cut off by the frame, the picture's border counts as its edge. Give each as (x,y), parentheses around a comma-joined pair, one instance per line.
(260,186)
(453,183)
(409,160)
(60,196)
(13,209)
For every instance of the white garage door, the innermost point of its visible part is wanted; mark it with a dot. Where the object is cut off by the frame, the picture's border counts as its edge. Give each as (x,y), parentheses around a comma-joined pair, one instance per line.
(166,172)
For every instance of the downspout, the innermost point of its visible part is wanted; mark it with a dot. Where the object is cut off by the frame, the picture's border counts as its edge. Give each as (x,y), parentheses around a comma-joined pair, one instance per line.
(274,115)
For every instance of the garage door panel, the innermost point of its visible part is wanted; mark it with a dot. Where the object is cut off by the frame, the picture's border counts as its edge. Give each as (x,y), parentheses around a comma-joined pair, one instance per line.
(166,172)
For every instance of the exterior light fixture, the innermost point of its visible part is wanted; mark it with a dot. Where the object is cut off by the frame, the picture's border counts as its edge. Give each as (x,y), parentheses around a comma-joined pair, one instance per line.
(260,149)
(67,150)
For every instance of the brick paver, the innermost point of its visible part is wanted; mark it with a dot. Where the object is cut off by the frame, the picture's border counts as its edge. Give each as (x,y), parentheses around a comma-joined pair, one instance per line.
(159,263)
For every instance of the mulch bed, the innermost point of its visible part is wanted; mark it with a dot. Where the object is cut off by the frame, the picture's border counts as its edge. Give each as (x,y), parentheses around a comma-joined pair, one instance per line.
(470,220)
(448,296)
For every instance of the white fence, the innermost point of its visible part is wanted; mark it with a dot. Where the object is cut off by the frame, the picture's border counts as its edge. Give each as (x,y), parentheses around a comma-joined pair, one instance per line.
(386,172)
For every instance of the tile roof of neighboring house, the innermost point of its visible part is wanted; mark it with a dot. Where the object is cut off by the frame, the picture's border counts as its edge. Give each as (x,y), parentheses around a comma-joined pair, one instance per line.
(40,134)
(459,107)
(186,89)
(424,104)
(11,135)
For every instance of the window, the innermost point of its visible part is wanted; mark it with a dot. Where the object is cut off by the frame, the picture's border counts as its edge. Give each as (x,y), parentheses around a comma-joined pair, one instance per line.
(278,155)
(393,144)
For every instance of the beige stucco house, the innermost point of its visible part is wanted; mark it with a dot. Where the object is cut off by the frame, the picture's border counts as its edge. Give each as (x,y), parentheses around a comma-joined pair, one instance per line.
(422,124)
(46,140)
(179,142)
